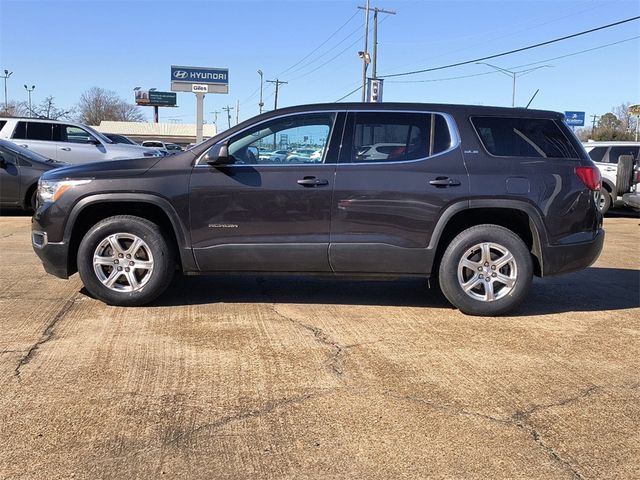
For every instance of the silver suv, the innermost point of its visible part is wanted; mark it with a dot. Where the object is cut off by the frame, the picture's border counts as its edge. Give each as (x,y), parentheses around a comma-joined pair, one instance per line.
(68,141)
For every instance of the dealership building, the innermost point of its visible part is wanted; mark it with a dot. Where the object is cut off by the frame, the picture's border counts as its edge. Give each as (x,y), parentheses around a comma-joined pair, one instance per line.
(180,133)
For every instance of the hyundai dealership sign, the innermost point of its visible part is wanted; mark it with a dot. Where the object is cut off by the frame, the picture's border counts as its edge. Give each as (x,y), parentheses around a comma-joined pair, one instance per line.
(184,78)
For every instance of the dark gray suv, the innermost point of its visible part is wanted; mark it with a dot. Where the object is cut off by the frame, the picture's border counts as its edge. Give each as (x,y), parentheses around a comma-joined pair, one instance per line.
(481,198)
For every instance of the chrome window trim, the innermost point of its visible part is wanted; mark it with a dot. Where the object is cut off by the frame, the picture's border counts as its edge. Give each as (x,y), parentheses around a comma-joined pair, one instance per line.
(451,125)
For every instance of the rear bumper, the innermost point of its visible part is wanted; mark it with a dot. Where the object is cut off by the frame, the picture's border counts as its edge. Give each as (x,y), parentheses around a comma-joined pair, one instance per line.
(567,258)
(54,256)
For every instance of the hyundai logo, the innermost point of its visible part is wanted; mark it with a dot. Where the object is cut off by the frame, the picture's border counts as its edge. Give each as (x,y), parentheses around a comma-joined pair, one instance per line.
(180,74)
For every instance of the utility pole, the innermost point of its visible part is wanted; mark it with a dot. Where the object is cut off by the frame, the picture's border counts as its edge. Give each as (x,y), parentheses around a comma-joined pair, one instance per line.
(374,60)
(593,123)
(33,87)
(6,75)
(277,83)
(261,103)
(365,53)
(215,117)
(228,110)
(237,111)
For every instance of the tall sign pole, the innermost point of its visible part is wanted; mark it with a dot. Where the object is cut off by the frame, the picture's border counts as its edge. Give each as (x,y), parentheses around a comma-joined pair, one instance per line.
(200,81)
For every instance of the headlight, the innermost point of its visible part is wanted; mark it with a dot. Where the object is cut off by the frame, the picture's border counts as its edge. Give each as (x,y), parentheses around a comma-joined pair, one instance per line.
(51,190)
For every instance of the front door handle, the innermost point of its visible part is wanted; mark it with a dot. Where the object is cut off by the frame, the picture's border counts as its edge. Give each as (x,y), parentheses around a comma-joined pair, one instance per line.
(23,146)
(313,182)
(66,149)
(444,182)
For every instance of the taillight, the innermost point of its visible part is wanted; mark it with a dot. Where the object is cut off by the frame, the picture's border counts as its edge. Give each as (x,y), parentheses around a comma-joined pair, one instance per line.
(590,176)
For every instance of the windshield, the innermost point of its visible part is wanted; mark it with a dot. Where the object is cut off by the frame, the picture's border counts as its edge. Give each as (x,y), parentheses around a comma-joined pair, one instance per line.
(98,134)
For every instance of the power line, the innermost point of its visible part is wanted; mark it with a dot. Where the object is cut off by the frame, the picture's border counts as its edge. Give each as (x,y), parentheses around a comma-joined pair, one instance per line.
(319,46)
(517,66)
(335,56)
(502,54)
(349,94)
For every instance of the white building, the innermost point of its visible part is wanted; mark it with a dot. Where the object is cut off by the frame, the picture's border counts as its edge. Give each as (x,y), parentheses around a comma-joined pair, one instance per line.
(180,133)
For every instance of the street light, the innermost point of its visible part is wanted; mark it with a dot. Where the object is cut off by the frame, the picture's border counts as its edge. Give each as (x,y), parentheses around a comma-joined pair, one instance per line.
(6,75)
(513,75)
(33,87)
(261,104)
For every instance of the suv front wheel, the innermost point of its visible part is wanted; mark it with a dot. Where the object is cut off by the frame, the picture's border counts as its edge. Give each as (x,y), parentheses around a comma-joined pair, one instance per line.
(125,260)
(486,270)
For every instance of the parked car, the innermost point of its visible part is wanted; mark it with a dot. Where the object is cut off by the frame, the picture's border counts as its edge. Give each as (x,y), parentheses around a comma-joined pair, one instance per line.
(169,148)
(482,198)
(116,138)
(279,155)
(67,141)
(304,155)
(20,170)
(606,156)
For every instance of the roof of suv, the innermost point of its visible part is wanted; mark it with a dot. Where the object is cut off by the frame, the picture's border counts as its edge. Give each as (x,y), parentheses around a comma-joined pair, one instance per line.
(443,107)
(48,120)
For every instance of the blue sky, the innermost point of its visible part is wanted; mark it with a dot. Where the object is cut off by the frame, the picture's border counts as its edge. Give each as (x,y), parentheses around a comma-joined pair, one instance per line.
(67,47)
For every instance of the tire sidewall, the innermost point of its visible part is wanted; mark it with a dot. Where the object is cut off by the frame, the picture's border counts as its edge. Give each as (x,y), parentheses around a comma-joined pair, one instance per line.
(163,266)
(448,274)
(607,201)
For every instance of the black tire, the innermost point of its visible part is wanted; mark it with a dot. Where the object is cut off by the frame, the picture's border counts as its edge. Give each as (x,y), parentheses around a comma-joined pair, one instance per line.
(604,202)
(624,177)
(520,269)
(152,282)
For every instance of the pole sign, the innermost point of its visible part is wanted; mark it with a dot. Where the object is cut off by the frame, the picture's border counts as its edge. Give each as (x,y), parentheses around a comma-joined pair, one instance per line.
(199,79)
(574,119)
(375,90)
(154,98)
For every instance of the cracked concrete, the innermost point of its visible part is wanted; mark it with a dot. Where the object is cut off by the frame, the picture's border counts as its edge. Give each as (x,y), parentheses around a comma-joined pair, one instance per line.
(47,335)
(234,377)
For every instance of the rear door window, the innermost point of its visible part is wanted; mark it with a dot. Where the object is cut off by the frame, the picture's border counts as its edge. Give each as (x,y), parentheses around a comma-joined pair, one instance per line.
(523,137)
(395,136)
(37,131)
(615,152)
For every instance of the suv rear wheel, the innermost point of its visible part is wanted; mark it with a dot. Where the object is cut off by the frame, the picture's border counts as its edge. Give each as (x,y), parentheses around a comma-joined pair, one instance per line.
(125,260)
(486,270)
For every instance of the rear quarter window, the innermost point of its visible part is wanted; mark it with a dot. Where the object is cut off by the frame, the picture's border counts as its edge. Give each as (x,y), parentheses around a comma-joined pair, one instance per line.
(523,137)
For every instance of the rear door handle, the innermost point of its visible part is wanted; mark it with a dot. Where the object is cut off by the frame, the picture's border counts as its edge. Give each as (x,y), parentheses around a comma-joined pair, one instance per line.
(66,149)
(313,182)
(444,182)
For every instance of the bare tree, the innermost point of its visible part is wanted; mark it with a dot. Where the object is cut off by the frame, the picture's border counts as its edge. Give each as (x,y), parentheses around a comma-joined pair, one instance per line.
(98,104)
(14,109)
(48,109)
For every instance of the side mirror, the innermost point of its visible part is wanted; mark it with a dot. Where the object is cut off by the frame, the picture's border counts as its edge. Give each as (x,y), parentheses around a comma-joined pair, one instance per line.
(93,141)
(219,155)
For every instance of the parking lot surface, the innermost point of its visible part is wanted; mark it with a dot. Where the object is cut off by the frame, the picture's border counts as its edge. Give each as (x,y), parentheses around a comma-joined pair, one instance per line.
(302,377)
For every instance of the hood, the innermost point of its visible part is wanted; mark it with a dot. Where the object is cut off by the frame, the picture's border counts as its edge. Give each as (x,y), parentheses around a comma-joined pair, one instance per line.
(106,169)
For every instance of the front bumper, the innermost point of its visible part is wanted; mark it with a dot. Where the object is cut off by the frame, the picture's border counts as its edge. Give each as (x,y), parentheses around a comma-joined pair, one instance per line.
(54,256)
(567,258)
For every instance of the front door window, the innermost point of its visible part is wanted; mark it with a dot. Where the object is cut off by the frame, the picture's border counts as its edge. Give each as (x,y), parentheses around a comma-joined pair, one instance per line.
(296,140)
